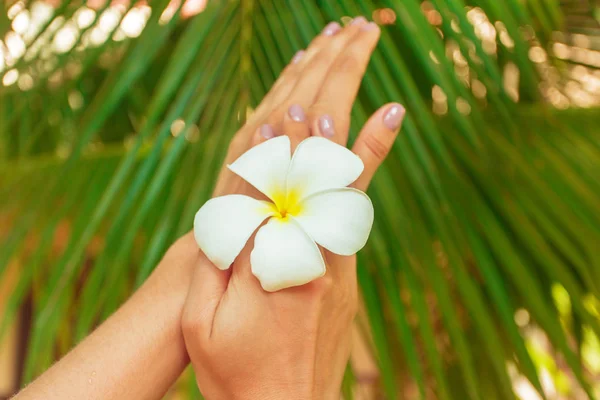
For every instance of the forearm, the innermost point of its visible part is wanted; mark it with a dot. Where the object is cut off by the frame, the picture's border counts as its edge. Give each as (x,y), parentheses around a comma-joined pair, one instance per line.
(138,352)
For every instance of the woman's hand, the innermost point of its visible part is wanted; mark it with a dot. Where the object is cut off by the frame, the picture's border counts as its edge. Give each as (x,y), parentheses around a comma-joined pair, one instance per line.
(247,343)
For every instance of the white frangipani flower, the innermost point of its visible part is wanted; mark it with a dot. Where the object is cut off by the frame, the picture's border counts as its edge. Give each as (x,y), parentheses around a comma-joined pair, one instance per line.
(310,204)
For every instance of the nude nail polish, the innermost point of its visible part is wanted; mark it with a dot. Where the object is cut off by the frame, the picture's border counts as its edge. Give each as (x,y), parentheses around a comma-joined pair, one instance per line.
(297,113)
(359,21)
(331,29)
(393,116)
(267,132)
(371,26)
(326,126)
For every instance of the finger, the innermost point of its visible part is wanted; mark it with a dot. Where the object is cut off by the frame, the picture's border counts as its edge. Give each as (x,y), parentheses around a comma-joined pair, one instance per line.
(318,43)
(241,275)
(318,63)
(285,84)
(262,134)
(229,182)
(289,77)
(330,113)
(206,289)
(246,137)
(376,139)
(253,132)
(282,86)
(300,60)
(295,125)
(243,140)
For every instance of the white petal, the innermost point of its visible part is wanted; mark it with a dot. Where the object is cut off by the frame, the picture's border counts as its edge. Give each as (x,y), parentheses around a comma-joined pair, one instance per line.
(340,220)
(265,166)
(284,256)
(224,224)
(319,164)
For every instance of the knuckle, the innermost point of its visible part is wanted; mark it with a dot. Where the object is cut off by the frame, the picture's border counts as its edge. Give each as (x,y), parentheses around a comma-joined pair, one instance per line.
(317,43)
(323,285)
(350,63)
(337,45)
(320,42)
(318,108)
(377,148)
(191,325)
(320,62)
(282,88)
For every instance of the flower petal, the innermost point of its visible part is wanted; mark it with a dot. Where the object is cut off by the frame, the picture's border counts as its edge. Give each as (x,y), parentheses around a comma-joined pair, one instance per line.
(319,164)
(265,166)
(224,224)
(284,256)
(340,220)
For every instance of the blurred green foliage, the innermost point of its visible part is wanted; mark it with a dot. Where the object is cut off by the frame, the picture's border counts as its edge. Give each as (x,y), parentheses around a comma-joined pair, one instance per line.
(488,206)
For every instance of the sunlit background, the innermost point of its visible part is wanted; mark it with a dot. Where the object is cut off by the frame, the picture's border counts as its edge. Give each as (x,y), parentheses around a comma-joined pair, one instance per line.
(36,35)
(53,48)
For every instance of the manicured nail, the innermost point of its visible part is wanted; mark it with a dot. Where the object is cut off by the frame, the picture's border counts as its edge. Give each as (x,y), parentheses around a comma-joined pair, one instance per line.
(394,116)
(331,29)
(371,26)
(326,126)
(297,57)
(359,21)
(267,132)
(297,113)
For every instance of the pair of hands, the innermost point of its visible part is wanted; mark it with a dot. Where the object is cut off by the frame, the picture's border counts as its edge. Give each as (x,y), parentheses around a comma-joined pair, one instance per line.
(247,343)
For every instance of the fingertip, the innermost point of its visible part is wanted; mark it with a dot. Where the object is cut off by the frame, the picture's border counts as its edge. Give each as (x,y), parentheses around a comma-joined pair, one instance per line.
(376,139)
(262,134)
(360,20)
(331,29)
(295,124)
(393,116)
(370,27)
(266,131)
(296,113)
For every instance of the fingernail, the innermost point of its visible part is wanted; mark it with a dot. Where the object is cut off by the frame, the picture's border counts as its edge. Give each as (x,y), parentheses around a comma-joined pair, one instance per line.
(369,27)
(331,29)
(326,126)
(267,132)
(297,113)
(297,57)
(359,21)
(394,116)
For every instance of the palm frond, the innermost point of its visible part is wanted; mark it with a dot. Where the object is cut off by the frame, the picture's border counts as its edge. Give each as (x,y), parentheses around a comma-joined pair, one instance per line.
(487,205)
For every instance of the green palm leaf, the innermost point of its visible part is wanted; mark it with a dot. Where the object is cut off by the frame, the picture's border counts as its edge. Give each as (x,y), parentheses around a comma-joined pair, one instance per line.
(487,204)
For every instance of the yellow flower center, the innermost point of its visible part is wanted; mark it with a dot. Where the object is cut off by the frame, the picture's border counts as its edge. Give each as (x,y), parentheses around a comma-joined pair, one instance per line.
(286,204)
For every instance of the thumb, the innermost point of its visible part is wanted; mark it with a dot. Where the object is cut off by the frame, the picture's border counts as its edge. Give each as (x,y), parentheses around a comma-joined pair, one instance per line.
(376,139)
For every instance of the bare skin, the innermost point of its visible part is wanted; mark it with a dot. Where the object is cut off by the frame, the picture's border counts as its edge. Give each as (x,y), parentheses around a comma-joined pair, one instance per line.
(243,342)
(247,343)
